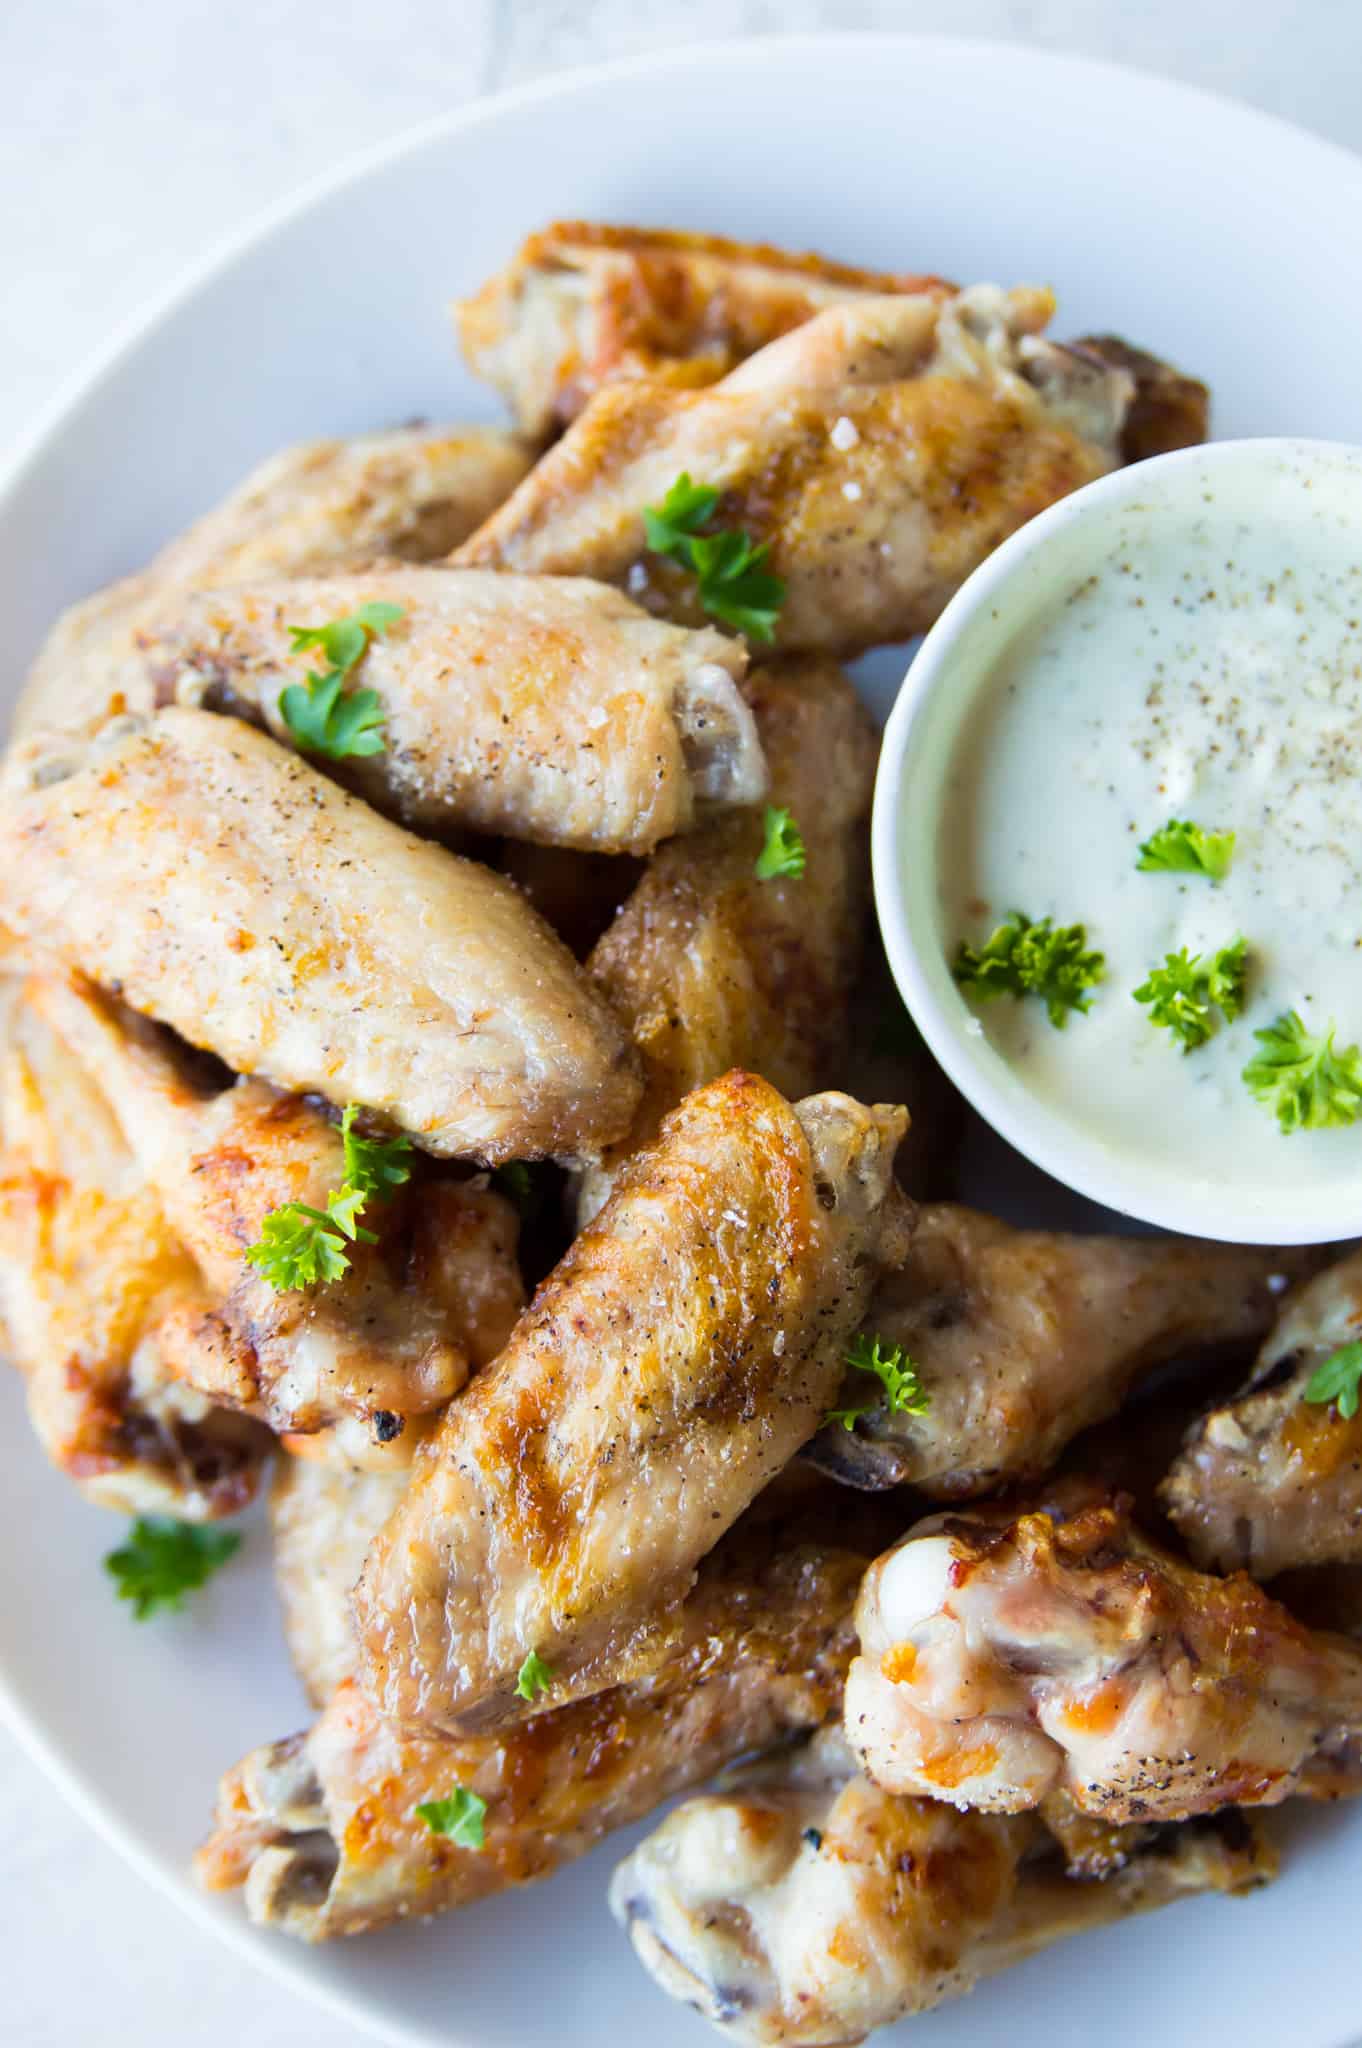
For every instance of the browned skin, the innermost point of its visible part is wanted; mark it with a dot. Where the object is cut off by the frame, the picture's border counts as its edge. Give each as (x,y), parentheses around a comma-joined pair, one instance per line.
(961,425)
(1024,1337)
(322,1519)
(91,1275)
(322,1829)
(675,1360)
(711,968)
(1272,1480)
(1006,1659)
(581,305)
(1169,410)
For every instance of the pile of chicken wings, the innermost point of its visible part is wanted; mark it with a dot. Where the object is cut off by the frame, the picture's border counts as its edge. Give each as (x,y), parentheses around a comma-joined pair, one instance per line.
(587,1397)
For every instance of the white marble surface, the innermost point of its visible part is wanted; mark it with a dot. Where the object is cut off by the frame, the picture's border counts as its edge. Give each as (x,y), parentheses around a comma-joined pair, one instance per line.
(133,137)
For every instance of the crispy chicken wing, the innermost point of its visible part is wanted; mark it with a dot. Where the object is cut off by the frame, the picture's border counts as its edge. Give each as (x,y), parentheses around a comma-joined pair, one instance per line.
(1024,1337)
(803,1906)
(322,1520)
(228,889)
(712,968)
(581,305)
(1272,1480)
(882,451)
(545,707)
(91,1275)
(678,1356)
(1004,1659)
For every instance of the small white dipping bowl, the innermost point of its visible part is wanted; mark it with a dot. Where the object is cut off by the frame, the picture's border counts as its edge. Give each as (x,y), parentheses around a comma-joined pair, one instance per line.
(1300,485)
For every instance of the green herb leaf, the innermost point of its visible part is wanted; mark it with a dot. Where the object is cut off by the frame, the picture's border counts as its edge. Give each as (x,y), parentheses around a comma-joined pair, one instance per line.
(1024,958)
(782,851)
(849,1417)
(320,714)
(904,1393)
(732,581)
(461,1817)
(1182,848)
(344,1206)
(1183,993)
(1302,1078)
(1337,1379)
(376,1166)
(298,1247)
(682,513)
(345,641)
(535,1677)
(163,1560)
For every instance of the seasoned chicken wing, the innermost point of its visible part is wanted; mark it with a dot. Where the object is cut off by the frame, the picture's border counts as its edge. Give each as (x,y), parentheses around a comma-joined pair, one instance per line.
(317,509)
(1004,1659)
(882,451)
(581,305)
(228,889)
(1022,1338)
(322,1520)
(803,1906)
(387,1344)
(1272,1480)
(545,707)
(91,1275)
(712,967)
(678,1356)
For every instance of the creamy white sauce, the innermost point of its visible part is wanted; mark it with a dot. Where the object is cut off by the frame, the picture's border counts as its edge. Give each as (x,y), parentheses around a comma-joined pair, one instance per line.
(1212,671)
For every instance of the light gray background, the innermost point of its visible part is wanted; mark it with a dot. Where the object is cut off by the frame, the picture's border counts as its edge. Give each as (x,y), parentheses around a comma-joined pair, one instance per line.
(133,137)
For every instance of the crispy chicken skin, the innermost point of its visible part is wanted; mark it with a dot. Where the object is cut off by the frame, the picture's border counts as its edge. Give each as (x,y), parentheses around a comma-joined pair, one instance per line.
(228,889)
(882,450)
(801,1906)
(711,968)
(1006,1657)
(677,1357)
(322,1830)
(1272,1480)
(547,708)
(91,1274)
(387,1345)
(1024,1337)
(317,509)
(322,1520)
(582,305)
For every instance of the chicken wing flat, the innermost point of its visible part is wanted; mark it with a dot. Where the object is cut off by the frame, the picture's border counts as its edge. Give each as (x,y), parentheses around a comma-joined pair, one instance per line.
(881,451)
(675,1360)
(322,1829)
(712,968)
(322,1520)
(803,1906)
(317,509)
(1004,1659)
(228,889)
(1272,1480)
(1022,1338)
(91,1274)
(388,1343)
(547,708)
(582,305)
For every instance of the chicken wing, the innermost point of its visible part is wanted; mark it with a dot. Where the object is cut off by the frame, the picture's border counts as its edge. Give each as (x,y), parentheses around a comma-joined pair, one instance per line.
(388,1343)
(881,451)
(678,1356)
(548,708)
(1272,1480)
(228,889)
(712,968)
(313,510)
(1004,1659)
(90,1276)
(322,1521)
(803,1906)
(1022,1338)
(581,305)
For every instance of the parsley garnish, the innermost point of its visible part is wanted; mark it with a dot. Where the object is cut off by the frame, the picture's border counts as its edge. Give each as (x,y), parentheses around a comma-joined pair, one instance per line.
(299,1246)
(1337,1379)
(163,1560)
(322,716)
(1183,992)
(733,583)
(782,852)
(461,1817)
(1182,848)
(904,1393)
(373,1165)
(1300,1076)
(1020,958)
(535,1677)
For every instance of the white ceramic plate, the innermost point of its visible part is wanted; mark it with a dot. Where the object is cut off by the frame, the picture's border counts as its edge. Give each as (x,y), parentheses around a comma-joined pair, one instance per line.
(1214,235)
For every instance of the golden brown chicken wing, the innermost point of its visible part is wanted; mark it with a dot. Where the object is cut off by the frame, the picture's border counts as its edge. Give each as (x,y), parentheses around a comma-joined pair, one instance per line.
(323,1518)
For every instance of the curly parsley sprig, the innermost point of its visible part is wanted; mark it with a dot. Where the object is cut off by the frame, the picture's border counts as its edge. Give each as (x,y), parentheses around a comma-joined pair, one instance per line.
(1337,1379)
(461,1817)
(321,714)
(782,850)
(1185,992)
(163,1560)
(300,1246)
(732,580)
(1021,957)
(904,1393)
(1182,848)
(1300,1075)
